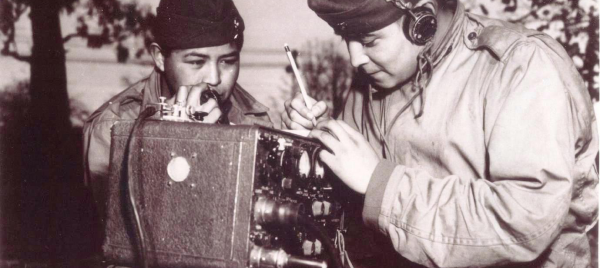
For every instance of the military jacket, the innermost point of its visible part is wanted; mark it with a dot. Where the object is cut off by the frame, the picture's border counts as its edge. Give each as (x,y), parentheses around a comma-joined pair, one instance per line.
(500,168)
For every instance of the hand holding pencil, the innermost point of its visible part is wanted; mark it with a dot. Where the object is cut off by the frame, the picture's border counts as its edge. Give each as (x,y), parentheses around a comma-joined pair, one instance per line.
(302,112)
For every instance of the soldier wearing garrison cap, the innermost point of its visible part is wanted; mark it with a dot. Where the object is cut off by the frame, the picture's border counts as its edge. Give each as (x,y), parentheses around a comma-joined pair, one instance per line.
(473,140)
(197,48)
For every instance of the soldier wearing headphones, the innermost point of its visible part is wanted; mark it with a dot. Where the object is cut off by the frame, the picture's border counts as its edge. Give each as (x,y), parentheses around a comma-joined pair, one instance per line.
(473,140)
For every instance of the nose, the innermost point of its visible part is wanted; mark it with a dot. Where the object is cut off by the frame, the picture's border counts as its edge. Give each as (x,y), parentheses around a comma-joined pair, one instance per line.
(357,54)
(213,77)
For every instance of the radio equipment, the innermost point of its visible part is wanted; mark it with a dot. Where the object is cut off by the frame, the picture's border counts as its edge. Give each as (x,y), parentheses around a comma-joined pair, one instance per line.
(179,112)
(219,196)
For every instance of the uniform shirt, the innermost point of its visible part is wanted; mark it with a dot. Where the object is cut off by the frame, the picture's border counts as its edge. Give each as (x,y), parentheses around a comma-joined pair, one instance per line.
(241,109)
(500,167)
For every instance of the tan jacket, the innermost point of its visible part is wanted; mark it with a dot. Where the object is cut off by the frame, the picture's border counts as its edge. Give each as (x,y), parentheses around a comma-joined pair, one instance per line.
(242,108)
(500,168)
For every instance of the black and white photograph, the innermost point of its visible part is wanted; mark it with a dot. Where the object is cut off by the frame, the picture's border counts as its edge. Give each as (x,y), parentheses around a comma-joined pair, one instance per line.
(299,133)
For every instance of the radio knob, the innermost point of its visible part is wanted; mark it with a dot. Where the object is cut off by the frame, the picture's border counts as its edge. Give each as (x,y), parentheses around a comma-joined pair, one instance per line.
(317,208)
(178,169)
(307,247)
(286,183)
(318,247)
(326,208)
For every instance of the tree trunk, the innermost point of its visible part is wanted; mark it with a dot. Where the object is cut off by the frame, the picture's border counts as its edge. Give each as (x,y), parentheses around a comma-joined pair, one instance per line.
(46,146)
(49,98)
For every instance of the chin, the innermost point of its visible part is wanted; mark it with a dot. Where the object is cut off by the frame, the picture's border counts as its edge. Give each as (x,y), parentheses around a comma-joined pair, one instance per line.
(390,83)
(385,85)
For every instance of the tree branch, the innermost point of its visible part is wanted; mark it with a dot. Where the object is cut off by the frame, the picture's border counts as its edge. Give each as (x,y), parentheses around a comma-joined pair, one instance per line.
(16,55)
(70,36)
(19,10)
(6,51)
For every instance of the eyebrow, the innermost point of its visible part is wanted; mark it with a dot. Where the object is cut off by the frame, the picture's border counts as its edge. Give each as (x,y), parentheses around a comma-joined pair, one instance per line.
(232,54)
(358,36)
(196,54)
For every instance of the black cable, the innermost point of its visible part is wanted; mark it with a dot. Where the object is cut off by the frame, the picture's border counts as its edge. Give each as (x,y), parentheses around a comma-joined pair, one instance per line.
(149,111)
(317,230)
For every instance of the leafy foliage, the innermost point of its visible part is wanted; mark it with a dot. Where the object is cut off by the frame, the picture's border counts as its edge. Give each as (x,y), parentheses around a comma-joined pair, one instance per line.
(10,12)
(573,23)
(116,21)
(100,22)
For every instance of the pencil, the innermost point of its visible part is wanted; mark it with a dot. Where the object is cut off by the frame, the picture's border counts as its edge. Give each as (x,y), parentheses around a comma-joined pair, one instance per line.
(299,79)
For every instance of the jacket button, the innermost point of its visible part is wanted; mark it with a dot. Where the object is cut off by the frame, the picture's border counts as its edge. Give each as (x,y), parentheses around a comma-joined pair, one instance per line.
(472,36)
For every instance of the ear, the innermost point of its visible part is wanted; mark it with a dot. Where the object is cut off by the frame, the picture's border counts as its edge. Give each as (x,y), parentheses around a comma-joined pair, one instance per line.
(430,4)
(434,6)
(158,56)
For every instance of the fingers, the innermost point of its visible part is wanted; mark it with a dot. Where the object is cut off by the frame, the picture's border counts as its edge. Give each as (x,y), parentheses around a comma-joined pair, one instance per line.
(328,159)
(213,116)
(319,109)
(192,101)
(335,128)
(212,108)
(352,133)
(292,118)
(298,116)
(181,96)
(300,120)
(289,124)
(207,107)
(285,119)
(299,106)
(193,97)
(188,95)
(327,139)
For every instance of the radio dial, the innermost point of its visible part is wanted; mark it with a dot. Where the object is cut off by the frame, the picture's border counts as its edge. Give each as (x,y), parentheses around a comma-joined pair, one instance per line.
(295,161)
(304,164)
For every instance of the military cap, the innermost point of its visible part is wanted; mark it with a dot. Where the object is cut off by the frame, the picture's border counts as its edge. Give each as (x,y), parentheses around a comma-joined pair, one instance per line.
(350,17)
(183,24)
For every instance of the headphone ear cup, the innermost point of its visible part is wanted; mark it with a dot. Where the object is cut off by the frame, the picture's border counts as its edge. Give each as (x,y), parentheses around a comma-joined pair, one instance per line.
(422,26)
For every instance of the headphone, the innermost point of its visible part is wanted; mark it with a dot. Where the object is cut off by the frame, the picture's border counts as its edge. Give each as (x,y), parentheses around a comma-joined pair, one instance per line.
(422,22)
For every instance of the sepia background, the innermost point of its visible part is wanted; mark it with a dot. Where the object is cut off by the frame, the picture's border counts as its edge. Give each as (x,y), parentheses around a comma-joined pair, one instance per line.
(61,59)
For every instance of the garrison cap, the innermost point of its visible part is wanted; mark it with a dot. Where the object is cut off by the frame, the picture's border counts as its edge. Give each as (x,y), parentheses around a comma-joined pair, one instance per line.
(351,17)
(184,24)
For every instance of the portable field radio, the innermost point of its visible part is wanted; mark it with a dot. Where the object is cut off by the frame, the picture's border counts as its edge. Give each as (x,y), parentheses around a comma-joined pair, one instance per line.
(185,194)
